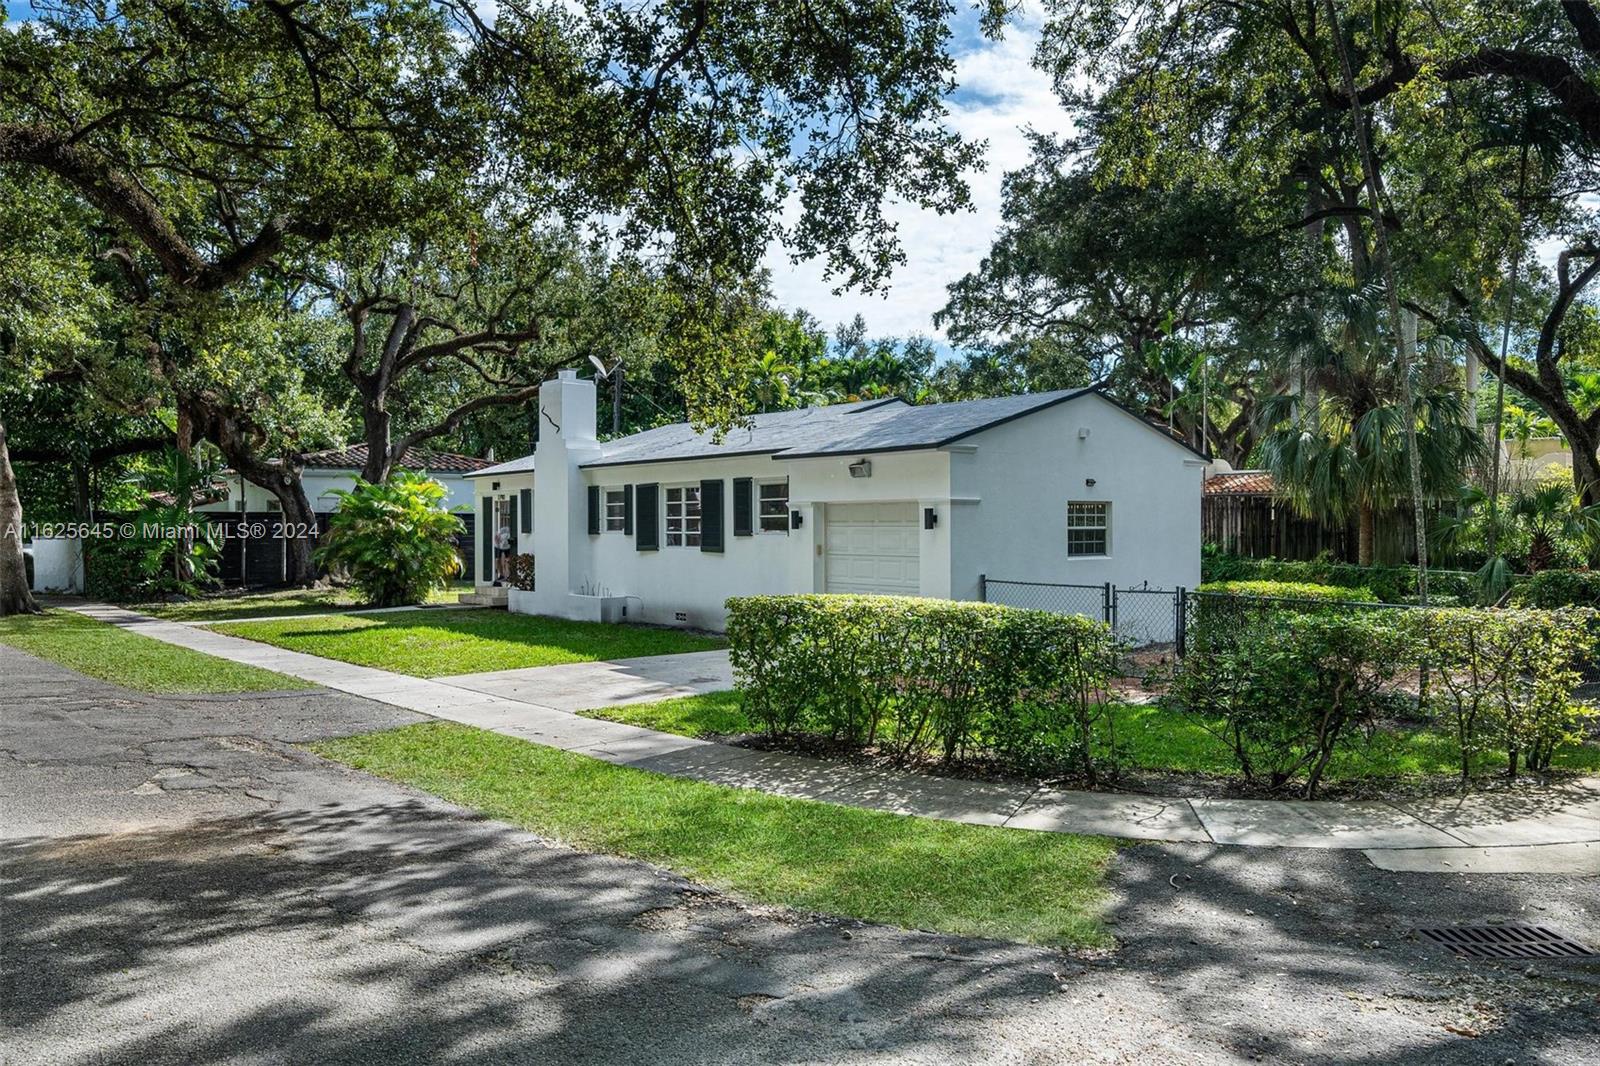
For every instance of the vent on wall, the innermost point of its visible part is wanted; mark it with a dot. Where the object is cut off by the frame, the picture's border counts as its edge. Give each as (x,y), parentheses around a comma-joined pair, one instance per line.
(680,616)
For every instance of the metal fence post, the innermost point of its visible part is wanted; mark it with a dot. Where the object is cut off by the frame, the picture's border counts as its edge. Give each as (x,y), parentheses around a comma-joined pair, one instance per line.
(1180,634)
(983,588)
(1107,606)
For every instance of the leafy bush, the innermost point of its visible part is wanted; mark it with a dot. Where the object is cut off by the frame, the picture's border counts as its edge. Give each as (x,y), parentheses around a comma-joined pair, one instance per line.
(1284,692)
(1506,677)
(916,677)
(393,540)
(173,551)
(1558,588)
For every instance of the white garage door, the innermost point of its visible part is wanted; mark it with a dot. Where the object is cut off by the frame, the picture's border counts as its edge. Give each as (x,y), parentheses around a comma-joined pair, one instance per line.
(872,547)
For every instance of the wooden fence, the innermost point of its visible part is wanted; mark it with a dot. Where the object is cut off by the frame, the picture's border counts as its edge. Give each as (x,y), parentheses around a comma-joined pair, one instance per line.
(1260,527)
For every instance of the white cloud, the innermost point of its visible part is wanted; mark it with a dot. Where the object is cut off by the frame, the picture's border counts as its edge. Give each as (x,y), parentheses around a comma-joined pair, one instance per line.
(999,93)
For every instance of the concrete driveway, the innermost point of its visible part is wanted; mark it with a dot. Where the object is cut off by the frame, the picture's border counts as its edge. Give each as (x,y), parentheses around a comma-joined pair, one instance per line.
(181,884)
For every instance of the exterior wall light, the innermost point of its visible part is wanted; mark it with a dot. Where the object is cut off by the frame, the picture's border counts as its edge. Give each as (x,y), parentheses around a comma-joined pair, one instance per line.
(861,468)
(930,518)
(796,519)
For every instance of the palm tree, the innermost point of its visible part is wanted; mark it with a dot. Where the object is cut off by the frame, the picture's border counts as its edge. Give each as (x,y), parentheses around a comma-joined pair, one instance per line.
(1554,513)
(772,379)
(1342,449)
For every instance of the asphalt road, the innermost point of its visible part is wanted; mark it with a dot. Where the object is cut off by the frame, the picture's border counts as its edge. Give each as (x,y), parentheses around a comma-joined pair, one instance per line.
(182,884)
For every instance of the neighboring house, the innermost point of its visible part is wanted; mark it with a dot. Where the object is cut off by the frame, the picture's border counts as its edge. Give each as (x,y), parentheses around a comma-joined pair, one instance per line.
(877,496)
(259,561)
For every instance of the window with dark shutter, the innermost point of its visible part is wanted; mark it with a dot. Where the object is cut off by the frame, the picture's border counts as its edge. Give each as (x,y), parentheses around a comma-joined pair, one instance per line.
(647,517)
(594,510)
(527,510)
(744,523)
(712,524)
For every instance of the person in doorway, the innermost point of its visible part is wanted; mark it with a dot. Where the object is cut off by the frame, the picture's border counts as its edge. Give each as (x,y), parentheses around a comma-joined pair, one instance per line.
(502,555)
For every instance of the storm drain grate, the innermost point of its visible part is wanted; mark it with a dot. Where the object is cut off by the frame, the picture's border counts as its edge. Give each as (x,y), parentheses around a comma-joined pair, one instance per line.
(1505,942)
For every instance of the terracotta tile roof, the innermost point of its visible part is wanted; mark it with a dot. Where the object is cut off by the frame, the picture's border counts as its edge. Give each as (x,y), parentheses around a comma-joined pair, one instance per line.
(1240,483)
(354,457)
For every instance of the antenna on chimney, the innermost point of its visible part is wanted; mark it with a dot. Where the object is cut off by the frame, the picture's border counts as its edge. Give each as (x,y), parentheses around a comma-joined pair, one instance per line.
(615,377)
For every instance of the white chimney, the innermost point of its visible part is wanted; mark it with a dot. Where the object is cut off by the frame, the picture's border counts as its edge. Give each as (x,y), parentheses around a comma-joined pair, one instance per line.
(560,515)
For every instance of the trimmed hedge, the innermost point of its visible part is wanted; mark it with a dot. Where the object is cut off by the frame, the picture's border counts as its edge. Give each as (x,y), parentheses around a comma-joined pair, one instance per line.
(1290,590)
(918,677)
(1285,689)
(1386,584)
(1506,677)
(1558,588)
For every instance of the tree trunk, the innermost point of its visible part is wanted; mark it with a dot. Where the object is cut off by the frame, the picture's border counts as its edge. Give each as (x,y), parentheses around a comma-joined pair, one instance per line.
(1366,534)
(298,517)
(15,596)
(376,427)
(1375,198)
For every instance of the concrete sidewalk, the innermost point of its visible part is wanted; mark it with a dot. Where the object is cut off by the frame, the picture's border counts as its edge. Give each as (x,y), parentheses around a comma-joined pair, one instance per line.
(1483,834)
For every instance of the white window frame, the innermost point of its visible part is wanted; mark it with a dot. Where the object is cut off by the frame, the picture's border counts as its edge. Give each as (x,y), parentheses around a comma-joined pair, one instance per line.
(1084,522)
(609,522)
(688,533)
(781,519)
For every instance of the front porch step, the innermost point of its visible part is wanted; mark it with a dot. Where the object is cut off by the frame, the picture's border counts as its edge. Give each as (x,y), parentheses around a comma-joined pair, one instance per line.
(490,596)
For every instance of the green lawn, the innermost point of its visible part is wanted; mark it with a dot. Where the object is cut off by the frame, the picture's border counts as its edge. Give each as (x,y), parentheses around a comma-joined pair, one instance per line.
(711,714)
(232,604)
(439,643)
(137,662)
(1152,738)
(913,872)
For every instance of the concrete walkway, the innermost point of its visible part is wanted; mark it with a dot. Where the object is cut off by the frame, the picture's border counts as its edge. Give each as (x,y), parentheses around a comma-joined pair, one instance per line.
(1554,833)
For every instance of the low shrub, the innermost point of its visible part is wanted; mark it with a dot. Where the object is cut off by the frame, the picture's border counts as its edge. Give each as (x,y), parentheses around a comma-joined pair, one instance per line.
(394,540)
(917,677)
(1558,588)
(1284,693)
(1506,678)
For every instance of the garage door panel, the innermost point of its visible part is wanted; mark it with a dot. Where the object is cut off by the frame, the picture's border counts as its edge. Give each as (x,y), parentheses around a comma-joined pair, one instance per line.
(872,548)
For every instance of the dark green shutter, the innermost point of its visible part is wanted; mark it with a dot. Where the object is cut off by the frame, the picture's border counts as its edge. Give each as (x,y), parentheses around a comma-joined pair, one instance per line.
(487,525)
(712,532)
(527,510)
(594,509)
(744,506)
(627,510)
(647,501)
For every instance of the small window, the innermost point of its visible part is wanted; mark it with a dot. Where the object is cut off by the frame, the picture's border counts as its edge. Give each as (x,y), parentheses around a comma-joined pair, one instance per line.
(1088,529)
(683,516)
(616,510)
(773,505)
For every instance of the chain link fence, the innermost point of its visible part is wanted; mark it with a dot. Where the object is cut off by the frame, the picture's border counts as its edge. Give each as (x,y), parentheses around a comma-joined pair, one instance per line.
(1142,617)
(1146,617)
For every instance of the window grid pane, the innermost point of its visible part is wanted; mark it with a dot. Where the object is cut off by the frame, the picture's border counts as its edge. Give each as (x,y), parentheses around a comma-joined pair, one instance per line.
(1088,525)
(773,508)
(615,510)
(683,517)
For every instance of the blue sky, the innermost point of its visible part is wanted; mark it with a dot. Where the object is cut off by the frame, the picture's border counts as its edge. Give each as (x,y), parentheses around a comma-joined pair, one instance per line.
(999,93)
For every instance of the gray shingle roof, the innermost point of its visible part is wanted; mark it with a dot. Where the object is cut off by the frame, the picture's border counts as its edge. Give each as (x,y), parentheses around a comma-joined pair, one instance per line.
(520,465)
(838,429)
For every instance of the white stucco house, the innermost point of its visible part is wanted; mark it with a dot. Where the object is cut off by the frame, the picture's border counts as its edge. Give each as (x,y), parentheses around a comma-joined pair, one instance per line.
(260,562)
(878,496)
